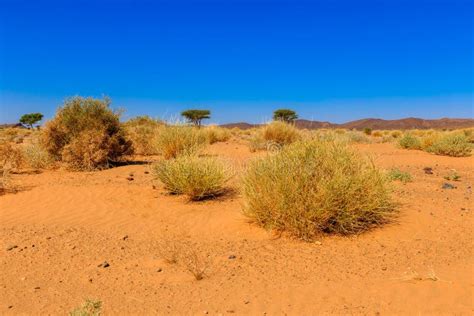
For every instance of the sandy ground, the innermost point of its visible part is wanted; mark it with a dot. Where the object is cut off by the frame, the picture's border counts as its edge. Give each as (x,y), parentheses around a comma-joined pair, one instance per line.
(65,224)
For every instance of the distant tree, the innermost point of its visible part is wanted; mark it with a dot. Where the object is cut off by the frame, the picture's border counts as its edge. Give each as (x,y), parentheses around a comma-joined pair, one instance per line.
(196,116)
(30,119)
(285,115)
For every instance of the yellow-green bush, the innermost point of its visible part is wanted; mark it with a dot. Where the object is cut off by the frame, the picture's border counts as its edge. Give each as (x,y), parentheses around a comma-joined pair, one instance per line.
(316,187)
(86,134)
(274,135)
(452,144)
(196,177)
(142,131)
(409,141)
(176,140)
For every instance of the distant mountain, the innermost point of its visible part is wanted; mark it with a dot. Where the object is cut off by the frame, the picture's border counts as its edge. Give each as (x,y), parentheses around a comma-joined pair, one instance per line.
(373,123)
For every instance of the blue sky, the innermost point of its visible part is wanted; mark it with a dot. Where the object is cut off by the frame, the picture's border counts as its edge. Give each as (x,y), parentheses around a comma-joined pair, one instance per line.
(329,60)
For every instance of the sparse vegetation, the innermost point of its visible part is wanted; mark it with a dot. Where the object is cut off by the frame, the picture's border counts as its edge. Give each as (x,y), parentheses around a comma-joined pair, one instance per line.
(36,156)
(196,177)
(452,176)
(86,134)
(367,131)
(177,140)
(142,132)
(316,187)
(274,135)
(31,119)
(88,308)
(397,174)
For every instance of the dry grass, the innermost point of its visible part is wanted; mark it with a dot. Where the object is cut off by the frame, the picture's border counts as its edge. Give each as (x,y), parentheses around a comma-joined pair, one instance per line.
(196,177)
(217,134)
(88,308)
(409,141)
(36,156)
(274,136)
(316,187)
(177,140)
(142,131)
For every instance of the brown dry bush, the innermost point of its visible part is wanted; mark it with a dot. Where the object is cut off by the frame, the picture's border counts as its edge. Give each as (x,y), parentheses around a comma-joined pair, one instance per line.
(217,134)
(142,131)
(86,134)
(316,187)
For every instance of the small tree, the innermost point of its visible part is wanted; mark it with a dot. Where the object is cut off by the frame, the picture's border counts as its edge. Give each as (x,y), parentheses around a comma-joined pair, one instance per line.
(31,119)
(285,115)
(196,116)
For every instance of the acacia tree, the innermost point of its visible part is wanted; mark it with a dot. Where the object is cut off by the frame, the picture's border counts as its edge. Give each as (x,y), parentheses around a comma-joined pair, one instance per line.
(285,115)
(30,119)
(196,116)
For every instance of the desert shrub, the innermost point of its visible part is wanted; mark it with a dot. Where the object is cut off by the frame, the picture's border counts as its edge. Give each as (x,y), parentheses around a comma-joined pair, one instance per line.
(367,131)
(453,175)
(142,131)
(177,140)
(469,133)
(280,133)
(340,131)
(88,308)
(36,156)
(409,141)
(377,134)
(86,134)
(396,134)
(11,157)
(397,174)
(216,134)
(196,177)
(274,135)
(356,137)
(316,187)
(453,144)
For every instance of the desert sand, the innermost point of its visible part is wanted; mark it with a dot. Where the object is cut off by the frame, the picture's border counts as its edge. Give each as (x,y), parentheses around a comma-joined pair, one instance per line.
(65,224)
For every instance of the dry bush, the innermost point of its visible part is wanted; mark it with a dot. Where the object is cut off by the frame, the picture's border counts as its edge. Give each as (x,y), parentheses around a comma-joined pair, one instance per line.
(356,137)
(409,141)
(452,144)
(216,134)
(177,140)
(188,254)
(36,156)
(469,133)
(196,177)
(86,134)
(11,157)
(377,134)
(142,131)
(396,134)
(316,187)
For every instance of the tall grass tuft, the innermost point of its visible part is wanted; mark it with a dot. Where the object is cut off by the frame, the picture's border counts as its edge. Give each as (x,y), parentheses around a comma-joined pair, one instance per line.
(217,134)
(316,187)
(274,135)
(177,140)
(196,177)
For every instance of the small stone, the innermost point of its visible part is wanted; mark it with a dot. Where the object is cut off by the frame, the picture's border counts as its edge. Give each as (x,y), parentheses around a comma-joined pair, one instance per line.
(206,312)
(159,270)
(246,302)
(131,174)
(105,264)
(318,243)
(448,186)
(147,172)
(232,257)
(384,268)
(11,247)
(10,306)
(428,170)
(125,237)
(37,288)
(129,178)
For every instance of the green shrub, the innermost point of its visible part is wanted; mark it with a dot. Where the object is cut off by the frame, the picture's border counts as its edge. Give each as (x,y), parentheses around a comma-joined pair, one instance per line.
(397,174)
(316,187)
(86,134)
(409,141)
(176,140)
(454,145)
(196,177)
(142,131)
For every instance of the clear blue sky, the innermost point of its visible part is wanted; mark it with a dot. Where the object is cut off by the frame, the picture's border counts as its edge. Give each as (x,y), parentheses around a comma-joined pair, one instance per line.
(329,60)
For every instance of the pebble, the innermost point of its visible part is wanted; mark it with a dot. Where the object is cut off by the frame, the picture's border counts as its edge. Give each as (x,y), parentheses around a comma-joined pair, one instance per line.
(125,237)
(129,178)
(448,186)
(232,257)
(105,264)
(159,270)
(11,247)
(428,170)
